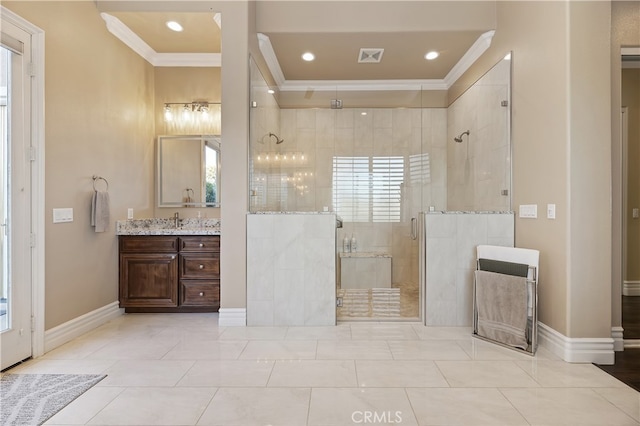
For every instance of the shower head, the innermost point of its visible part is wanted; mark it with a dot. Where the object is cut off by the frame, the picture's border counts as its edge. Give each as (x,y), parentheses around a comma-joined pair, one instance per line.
(459,138)
(278,140)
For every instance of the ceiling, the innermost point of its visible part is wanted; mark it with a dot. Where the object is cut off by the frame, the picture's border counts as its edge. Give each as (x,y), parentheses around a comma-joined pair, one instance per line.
(336,52)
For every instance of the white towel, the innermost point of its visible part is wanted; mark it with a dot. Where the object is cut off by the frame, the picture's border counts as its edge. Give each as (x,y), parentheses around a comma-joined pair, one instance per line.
(100,211)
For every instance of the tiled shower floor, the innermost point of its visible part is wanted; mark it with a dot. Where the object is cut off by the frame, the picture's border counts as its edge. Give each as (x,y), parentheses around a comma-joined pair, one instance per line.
(399,302)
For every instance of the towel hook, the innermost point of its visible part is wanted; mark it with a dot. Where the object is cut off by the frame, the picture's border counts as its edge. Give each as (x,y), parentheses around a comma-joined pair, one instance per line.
(95,178)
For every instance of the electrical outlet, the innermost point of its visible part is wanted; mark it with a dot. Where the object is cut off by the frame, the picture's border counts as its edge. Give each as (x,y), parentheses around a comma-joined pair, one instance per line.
(635,213)
(129,213)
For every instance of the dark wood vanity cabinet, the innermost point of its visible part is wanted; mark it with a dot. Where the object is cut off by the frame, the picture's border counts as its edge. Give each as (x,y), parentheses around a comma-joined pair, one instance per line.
(170,273)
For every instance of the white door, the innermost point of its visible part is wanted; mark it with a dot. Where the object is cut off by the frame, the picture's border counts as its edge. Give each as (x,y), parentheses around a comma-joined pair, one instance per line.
(15,197)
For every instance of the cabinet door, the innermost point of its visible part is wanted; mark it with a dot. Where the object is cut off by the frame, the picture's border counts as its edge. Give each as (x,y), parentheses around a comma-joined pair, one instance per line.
(148,280)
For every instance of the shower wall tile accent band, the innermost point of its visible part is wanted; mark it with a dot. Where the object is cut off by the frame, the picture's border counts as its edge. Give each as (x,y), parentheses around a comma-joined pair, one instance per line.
(451,241)
(291,269)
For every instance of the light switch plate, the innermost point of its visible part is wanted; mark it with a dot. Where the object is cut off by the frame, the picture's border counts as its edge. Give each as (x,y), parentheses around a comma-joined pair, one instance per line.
(551,211)
(129,213)
(62,215)
(528,211)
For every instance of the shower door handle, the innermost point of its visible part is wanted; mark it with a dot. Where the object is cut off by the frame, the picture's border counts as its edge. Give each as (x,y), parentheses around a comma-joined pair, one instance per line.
(414,228)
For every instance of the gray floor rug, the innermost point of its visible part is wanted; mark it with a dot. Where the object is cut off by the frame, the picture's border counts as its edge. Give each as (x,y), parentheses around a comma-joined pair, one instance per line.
(31,399)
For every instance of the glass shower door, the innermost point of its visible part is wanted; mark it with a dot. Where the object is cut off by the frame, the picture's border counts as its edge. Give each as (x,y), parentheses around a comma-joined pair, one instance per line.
(377,174)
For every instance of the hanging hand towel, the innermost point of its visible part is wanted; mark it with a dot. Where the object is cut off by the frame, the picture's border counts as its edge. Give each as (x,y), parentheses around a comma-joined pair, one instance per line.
(100,211)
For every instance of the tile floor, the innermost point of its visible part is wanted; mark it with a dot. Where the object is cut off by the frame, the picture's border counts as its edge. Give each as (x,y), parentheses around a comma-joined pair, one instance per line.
(182,369)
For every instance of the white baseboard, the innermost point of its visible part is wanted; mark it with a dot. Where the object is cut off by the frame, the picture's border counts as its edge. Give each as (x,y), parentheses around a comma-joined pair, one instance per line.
(68,331)
(618,338)
(232,317)
(577,350)
(631,288)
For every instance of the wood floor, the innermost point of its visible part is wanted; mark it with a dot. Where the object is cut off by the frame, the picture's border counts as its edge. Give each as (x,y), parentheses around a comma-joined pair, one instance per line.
(627,362)
(631,317)
(626,367)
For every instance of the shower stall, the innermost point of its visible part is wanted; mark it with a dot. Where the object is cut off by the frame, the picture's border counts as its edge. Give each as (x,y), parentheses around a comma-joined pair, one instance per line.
(379,160)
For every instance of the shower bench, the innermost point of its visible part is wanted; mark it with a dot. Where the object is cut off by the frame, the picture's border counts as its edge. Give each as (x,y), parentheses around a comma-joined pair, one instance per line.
(364,270)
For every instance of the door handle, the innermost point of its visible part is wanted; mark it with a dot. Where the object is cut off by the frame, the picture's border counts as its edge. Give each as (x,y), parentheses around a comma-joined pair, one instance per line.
(414,228)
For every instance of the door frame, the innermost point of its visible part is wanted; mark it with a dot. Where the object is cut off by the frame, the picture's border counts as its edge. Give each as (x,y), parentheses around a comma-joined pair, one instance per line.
(37,178)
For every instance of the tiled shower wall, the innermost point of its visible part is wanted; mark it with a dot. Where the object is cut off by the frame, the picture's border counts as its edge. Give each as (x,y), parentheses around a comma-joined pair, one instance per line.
(479,168)
(315,136)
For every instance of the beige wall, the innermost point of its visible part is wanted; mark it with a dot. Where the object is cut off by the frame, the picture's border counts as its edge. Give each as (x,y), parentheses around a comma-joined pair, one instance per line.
(631,100)
(561,155)
(98,120)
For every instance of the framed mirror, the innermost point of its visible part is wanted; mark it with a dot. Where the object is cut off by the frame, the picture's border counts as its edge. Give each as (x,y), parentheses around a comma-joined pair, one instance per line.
(188,171)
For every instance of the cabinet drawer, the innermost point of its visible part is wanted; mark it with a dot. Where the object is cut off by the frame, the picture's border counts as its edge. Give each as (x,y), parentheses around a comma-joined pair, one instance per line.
(200,293)
(200,243)
(148,244)
(200,265)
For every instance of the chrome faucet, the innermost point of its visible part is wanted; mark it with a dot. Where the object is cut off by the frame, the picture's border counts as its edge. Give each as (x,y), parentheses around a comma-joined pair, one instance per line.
(176,219)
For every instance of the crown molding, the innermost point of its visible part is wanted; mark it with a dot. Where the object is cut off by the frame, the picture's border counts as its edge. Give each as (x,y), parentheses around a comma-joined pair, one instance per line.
(264,43)
(135,43)
(358,85)
(475,51)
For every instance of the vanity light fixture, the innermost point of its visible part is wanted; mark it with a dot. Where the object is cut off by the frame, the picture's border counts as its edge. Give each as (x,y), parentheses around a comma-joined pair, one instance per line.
(308,56)
(174,26)
(189,111)
(431,55)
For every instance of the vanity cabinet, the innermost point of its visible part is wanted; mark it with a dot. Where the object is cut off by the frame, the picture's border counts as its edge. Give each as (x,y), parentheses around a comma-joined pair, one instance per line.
(169,273)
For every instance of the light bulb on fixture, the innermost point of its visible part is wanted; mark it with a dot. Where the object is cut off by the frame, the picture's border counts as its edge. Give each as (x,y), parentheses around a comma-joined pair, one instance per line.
(204,112)
(168,114)
(186,112)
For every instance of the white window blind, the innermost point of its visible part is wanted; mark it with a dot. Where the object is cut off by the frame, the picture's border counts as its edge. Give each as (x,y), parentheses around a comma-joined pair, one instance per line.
(368,189)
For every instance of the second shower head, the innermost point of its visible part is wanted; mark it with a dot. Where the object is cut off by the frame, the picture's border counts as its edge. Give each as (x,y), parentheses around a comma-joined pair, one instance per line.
(278,140)
(459,137)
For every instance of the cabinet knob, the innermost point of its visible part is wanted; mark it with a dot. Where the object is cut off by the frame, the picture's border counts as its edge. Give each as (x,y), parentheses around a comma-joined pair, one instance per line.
(201,293)
(201,266)
(201,244)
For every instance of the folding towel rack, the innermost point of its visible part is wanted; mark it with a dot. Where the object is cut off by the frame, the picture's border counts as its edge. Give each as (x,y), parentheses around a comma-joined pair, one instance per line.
(506,260)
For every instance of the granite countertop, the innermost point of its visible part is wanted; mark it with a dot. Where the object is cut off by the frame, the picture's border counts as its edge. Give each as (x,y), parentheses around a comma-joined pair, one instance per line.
(469,212)
(364,254)
(167,227)
(289,212)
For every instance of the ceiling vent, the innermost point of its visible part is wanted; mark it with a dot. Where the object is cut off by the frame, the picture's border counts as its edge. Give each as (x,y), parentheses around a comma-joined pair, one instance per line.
(370,56)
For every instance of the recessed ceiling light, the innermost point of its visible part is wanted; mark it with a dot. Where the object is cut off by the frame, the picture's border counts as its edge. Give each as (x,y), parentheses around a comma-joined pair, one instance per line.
(271,91)
(174,26)
(308,56)
(363,113)
(431,55)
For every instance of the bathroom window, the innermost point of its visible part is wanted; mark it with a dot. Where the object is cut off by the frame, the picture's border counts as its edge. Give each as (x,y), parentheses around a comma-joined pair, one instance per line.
(368,189)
